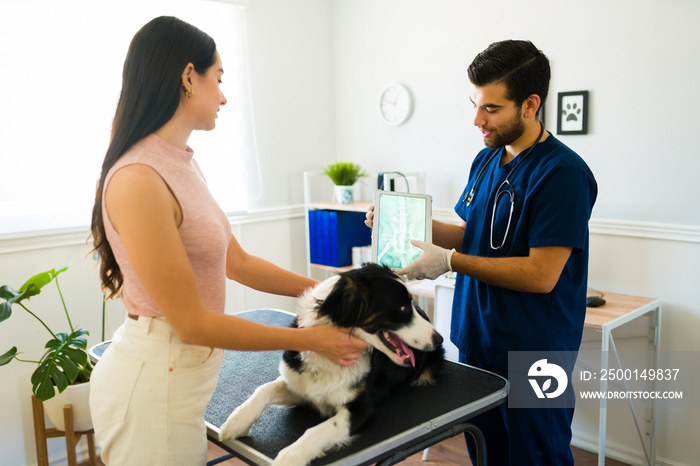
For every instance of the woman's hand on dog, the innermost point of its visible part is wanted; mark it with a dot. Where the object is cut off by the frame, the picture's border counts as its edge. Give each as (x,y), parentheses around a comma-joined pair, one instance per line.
(335,343)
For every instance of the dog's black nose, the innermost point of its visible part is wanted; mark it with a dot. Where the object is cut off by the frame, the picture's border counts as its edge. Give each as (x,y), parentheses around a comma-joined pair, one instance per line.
(437,339)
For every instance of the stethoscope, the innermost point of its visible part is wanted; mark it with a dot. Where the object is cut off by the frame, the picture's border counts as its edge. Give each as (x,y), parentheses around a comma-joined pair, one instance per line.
(502,190)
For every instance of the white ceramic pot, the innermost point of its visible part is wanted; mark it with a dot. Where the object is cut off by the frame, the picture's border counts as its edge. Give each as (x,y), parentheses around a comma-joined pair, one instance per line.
(344,194)
(77,396)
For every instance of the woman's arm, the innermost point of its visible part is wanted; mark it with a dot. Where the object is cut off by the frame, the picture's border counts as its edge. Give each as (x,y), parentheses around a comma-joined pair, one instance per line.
(262,275)
(146,215)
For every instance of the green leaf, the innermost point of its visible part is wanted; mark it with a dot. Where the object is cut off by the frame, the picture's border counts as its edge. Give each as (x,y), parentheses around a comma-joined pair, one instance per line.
(12,296)
(62,269)
(5,311)
(7,292)
(77,356)
(61,364)
(9,356)
(39,281)
(30,290)
(78,332)
(57,343)
(68,366)
(63,340)
(344,173)
(45,378)
(31,287)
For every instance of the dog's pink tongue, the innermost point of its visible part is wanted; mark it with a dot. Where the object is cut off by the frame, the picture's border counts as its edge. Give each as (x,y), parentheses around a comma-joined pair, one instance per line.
(402,350)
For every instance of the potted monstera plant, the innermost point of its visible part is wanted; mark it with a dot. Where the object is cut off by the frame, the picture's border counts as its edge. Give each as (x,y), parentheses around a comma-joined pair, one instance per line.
(65,367)
(344,175)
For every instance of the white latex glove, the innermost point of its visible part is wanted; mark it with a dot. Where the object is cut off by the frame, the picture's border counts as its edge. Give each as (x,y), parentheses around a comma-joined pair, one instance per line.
(434,262)
(369,216)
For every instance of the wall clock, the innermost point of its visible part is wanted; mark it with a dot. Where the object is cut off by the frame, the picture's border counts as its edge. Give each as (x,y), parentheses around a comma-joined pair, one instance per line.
(395,104)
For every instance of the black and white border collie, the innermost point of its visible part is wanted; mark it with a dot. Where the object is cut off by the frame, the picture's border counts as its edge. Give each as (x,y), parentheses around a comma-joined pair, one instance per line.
(403,348)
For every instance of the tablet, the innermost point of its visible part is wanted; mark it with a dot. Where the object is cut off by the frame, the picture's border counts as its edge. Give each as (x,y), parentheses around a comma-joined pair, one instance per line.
(399,218)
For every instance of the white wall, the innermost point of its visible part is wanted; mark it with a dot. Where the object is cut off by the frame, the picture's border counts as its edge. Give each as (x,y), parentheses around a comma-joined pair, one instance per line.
(317,68)
(291,66)
(661,269)
(638,59)
(640,63)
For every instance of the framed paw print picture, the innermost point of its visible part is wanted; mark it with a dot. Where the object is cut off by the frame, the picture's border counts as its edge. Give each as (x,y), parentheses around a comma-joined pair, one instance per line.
(572,116)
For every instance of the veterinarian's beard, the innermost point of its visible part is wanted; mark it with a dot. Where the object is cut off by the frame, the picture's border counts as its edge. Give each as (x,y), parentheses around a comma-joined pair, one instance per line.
(506,134)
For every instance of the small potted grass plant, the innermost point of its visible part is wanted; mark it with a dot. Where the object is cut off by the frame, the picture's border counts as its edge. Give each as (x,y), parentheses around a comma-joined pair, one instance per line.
(344,175)
(65,362)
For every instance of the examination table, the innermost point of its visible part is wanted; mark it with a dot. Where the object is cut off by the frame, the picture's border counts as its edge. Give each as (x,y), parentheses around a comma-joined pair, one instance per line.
(407,422)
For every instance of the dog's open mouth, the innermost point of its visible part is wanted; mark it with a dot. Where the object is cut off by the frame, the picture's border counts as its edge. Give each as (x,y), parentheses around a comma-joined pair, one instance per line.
(402,351)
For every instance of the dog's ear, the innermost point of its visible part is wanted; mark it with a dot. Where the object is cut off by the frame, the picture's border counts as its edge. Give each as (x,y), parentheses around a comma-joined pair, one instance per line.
(421,312)
(348,303)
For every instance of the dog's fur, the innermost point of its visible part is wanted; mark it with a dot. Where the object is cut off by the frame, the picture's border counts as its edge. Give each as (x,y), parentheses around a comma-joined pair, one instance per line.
(377,306)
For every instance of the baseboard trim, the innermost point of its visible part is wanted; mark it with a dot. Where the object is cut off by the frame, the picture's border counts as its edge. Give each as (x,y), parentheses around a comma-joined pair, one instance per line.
(61,459)
(79,235)
(612,450)
(617,451)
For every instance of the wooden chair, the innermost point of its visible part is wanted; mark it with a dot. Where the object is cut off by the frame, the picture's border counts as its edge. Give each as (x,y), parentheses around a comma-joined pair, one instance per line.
(41,433)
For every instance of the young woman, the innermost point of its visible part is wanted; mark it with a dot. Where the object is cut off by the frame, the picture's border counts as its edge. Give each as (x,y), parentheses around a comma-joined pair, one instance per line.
(166,249)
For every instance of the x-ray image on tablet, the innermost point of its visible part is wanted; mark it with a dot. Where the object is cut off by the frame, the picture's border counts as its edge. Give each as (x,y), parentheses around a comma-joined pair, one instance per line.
(399,218)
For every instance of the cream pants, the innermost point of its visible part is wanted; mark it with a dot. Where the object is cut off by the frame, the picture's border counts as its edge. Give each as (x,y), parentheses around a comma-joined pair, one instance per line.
(149,394)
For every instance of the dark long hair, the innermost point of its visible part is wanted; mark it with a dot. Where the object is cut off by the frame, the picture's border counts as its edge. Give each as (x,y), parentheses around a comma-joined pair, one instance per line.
(151,92)
(521,66)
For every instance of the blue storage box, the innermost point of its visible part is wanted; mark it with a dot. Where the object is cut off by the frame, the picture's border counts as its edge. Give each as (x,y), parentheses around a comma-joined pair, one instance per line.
(333,234)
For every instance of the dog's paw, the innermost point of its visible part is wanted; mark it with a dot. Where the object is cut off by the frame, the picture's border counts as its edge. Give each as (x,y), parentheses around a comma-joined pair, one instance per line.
(291,457)
(234,427)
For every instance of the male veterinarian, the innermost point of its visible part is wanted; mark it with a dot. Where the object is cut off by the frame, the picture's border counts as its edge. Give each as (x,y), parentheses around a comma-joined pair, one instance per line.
(522,260)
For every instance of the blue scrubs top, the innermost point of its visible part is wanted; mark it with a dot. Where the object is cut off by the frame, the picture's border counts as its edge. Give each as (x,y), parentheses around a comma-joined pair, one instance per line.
(554,195)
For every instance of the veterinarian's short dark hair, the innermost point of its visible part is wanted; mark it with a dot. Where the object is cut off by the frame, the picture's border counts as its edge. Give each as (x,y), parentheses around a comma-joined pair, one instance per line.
(518,64)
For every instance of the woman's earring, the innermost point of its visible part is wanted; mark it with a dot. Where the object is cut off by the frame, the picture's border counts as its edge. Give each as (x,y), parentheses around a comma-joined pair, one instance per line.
(188,92)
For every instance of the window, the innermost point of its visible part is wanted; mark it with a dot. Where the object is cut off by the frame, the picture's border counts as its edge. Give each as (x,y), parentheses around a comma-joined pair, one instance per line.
(61,81)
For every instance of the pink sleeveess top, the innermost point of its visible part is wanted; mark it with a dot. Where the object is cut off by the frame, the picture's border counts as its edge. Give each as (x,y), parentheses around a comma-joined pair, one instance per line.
(205,230)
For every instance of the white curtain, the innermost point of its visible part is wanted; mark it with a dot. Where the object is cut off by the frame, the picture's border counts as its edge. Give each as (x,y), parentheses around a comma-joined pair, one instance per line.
(62,64)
